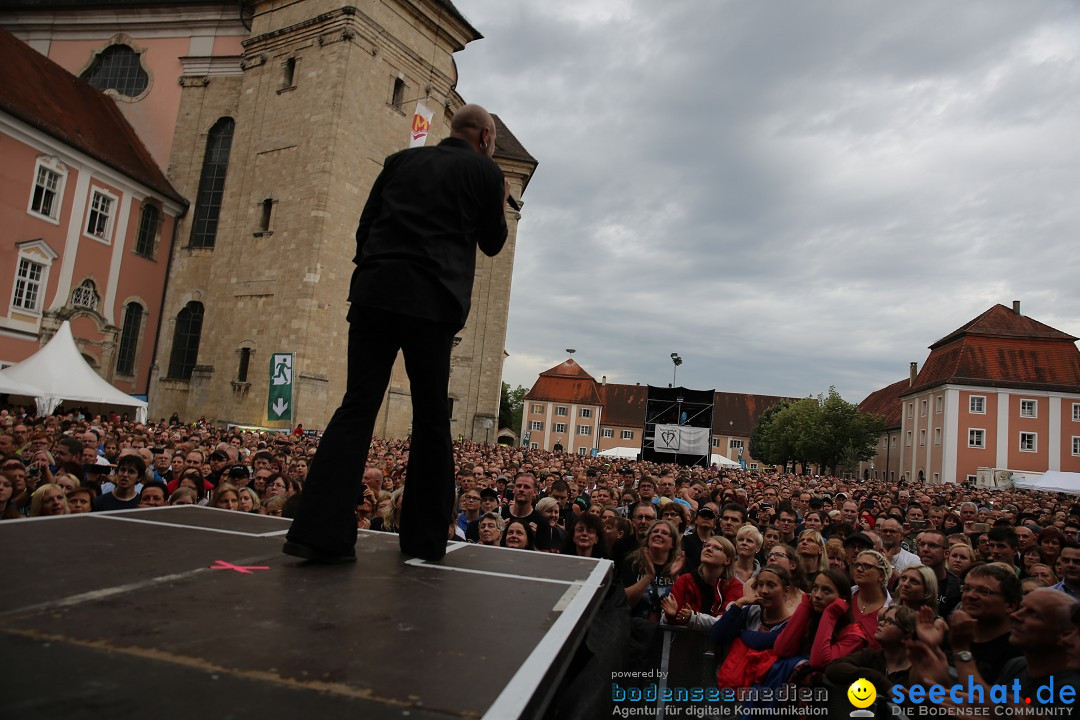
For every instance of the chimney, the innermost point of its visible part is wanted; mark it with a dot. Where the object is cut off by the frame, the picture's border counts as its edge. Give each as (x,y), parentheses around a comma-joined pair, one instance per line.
(1016,306)
(603,380)
(914,373)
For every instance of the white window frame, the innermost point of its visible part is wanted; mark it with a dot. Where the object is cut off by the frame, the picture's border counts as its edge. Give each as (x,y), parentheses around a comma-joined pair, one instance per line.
(971,479)
(1076,445)
(52,165)
(937,478)
(534,446)
(715,442)
(607,432)
(1034,441)
(537,409)
(110,217)
(562,411)
(586,412)
(982,445)
(1034,404)
(911,410)
(753,466)
(939,404)
(922,407)
(937,436)
(86,295)
(536,426)
(627,435)
(1076,412)
(922,437)
(584,429)
(583,451)
(982,404)
(734,444)
(909,438)
(559,427)
(39,284)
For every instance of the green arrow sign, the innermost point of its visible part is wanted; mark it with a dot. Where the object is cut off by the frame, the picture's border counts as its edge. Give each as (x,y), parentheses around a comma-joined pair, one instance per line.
(280,399)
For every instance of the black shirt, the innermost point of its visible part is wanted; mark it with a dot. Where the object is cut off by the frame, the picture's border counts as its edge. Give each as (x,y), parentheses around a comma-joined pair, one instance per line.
(428,211)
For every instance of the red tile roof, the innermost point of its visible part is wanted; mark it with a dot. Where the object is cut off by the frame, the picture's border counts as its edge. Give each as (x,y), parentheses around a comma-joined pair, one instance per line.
(886,402)
(1001,348)
(624,405)
(738,413)
(1002,322)
(44,95)
(567,382)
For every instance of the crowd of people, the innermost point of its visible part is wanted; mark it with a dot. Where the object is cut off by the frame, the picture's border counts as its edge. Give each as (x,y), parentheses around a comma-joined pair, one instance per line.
(815,581)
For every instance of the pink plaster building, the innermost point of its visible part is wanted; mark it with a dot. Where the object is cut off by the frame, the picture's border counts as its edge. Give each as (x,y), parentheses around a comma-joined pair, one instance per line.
(1003,392)
(87,220)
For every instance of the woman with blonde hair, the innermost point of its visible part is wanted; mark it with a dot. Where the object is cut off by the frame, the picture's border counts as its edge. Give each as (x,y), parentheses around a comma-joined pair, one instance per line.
(698,598)
(871,571)
(389,518)
(747,545)
(917,587)
(812,556)
(226,497)
(649,573)
(48,500)
(249,500)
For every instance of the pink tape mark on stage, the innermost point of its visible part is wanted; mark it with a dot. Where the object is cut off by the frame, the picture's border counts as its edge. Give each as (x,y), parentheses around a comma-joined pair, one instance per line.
(246,569)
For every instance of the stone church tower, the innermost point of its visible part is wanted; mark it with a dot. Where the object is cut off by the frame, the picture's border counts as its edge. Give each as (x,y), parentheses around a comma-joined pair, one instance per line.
(285,142)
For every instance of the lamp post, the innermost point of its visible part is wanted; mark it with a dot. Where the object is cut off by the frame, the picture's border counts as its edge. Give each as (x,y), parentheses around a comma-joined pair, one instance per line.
(488,424)
(676,361)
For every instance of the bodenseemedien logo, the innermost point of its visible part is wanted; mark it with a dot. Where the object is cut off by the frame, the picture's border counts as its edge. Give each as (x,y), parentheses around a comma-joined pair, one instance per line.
(862,695)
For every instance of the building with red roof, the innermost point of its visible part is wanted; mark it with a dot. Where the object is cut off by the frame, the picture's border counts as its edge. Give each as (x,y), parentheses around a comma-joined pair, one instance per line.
(1002,391)
(567,406)
(88,217)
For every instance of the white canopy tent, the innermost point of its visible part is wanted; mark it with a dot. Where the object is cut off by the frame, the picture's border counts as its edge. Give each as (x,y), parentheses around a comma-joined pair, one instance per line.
(11,386)
(723,461)
(60,373)
(630,453)
(1050,481)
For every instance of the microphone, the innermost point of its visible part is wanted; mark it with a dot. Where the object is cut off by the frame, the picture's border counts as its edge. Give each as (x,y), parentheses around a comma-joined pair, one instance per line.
(513,203)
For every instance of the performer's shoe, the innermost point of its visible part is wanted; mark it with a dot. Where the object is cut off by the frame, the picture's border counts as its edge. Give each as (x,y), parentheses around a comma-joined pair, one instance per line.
(429,554)
(315,555)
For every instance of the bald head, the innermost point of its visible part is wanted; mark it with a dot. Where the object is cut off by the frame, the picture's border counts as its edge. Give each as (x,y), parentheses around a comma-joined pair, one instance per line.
(474,125)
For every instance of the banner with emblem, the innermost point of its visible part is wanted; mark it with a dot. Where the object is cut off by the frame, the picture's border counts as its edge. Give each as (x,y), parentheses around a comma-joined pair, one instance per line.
(682,439)
(421,125)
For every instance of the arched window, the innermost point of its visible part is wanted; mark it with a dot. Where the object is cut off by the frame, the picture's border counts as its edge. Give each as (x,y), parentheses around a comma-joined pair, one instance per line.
(185,347)
(117,68)
(85,295)
(212,184)
(129,338)
(148,227)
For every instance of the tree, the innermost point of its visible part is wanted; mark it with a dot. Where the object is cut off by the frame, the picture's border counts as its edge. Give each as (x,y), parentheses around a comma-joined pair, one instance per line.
(510,406)
(825,430)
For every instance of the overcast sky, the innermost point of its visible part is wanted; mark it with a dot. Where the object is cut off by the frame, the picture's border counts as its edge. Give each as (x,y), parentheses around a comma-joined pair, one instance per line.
(791,195)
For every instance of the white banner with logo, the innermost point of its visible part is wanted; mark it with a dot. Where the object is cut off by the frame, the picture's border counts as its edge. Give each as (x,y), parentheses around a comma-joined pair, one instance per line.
(421,125)
(681,439)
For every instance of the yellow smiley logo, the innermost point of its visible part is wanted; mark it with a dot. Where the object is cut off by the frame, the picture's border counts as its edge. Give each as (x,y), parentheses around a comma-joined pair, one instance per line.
(862,693)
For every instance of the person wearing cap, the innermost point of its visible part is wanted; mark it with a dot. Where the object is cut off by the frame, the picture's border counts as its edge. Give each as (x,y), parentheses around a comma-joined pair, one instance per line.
(704,528)
(489,503)
(219,460)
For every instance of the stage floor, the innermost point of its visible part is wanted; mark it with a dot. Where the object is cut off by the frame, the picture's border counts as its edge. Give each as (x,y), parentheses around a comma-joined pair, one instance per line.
(185,611)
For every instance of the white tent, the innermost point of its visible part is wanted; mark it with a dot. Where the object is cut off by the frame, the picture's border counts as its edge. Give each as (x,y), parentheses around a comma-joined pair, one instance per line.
(723,461)
(11,386)
(1050,481)
(629,453)
(60,373)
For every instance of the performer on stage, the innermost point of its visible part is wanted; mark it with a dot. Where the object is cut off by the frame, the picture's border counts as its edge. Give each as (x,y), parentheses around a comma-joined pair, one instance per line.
(428,211)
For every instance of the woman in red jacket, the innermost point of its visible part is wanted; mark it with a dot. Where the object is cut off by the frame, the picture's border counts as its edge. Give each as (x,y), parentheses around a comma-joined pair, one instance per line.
(823,629)
(699,598)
